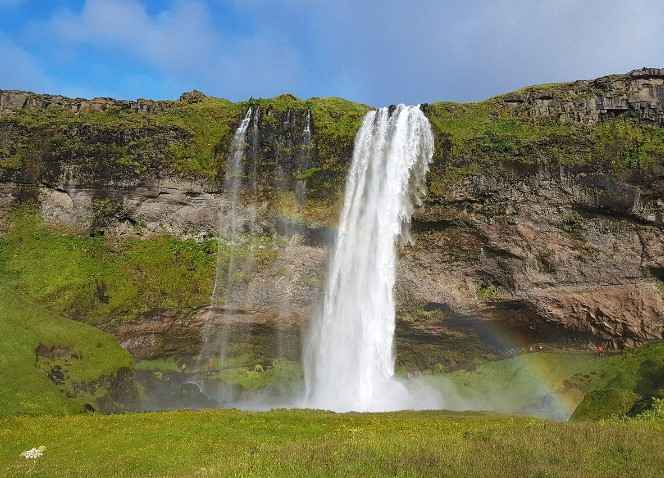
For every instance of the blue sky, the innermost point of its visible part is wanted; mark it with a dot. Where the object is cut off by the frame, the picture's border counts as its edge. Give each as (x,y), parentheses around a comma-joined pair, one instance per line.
(374,51)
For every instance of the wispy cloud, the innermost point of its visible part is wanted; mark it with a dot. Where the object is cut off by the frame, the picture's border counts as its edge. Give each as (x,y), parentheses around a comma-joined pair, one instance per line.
(419,51)
(182,41)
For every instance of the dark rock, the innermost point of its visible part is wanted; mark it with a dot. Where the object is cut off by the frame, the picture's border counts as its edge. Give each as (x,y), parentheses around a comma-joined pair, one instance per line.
(57,375)
(638,94)
(193,96)
(12,100)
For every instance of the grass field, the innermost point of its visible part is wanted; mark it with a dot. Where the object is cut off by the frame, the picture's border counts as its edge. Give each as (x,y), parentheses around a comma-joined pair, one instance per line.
(307,443)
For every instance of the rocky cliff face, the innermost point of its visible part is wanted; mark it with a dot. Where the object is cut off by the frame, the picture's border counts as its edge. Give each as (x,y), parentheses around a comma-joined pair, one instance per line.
(541,250)
(637,94)
(12,101)
(545,213)
(562,231)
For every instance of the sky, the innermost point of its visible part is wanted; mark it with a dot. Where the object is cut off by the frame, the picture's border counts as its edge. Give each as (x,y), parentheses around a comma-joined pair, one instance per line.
(374,51)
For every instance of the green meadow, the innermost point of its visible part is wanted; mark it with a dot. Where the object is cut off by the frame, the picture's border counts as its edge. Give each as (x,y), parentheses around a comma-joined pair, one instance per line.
(312,444)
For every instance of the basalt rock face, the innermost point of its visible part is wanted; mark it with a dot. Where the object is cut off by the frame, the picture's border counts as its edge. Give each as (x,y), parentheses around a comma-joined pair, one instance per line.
(559,251)
(638,94)
(12,101)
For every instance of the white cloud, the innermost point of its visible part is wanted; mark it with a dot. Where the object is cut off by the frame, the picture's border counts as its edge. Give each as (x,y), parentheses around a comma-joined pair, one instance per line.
(183,41)
(375,51)
(173,39)
(393,50)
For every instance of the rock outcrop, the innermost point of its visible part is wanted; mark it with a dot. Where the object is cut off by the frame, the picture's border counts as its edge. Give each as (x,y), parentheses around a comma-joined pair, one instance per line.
(536,248)
(12,101)
(638,94)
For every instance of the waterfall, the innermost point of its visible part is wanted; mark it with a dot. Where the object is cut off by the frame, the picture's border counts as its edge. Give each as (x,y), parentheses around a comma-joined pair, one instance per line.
(233,218)
(236,223)
(304,160)
(349,358)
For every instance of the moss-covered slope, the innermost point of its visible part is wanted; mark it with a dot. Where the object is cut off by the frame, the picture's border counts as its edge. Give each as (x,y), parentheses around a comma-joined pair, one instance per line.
(52,365)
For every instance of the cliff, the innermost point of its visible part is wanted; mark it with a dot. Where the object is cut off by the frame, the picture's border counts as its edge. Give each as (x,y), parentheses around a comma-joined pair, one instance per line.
(545,216)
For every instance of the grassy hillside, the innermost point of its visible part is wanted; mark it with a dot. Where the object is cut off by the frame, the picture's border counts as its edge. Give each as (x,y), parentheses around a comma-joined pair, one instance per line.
(308,443)
(553,384)
(96,279)
(629,384)
(104,281)
(81,354)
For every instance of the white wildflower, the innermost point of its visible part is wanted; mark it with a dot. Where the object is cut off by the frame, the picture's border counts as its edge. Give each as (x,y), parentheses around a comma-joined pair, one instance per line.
(33,453)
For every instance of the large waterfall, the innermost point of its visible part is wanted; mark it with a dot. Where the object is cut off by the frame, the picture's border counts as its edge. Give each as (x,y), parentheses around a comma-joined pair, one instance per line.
(349,358)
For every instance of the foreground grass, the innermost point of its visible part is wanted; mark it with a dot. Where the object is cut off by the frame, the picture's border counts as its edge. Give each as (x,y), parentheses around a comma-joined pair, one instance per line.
(306,443)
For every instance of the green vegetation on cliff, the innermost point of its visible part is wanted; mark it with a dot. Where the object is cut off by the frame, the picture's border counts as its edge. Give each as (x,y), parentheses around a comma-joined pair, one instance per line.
(52,365)
(628,384)
(97,279)
(105,280)
(475,137)
(188,139)
(191,137)
(310,443)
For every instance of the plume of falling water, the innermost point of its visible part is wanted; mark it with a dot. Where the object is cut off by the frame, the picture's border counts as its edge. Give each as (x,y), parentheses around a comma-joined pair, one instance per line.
(348,357)
(304,159)
(236,222)
(229,220)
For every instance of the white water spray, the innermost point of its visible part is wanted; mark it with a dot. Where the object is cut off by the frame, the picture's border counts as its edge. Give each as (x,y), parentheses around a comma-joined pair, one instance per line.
(236,218)
(236,222)
(349,358)
(229,217)
(303,159)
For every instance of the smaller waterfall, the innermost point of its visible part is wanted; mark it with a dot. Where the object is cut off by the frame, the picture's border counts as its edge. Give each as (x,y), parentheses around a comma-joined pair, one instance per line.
(237,217)
(349,359)
(236,224)
(304,160)
(229,220)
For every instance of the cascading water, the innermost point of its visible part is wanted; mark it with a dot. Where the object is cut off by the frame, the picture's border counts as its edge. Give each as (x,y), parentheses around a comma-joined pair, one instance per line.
(349,359)
(229,218)
(237,218)
(236,224)
(303,160)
